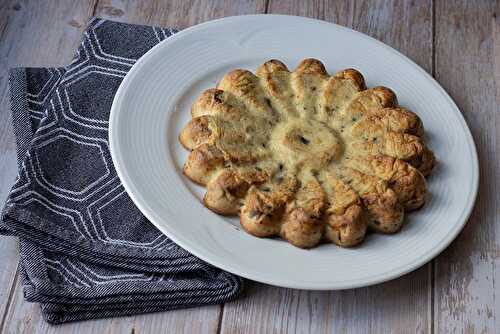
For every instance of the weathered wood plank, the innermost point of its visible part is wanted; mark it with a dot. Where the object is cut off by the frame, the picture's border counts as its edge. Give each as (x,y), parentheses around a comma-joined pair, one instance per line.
(467,44)
(178,14)
(399,306)
(404,25)
(393,307)
(26,318)
(29,36)
(194,320)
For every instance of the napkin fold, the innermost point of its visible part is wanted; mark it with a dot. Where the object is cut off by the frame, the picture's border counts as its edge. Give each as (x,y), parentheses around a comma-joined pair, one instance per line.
(85,250)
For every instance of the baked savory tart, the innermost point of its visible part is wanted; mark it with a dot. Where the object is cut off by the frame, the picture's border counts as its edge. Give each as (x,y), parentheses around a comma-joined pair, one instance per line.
(307,156)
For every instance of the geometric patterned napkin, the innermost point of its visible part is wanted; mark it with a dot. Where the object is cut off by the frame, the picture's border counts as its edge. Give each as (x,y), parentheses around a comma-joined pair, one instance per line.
(85,250)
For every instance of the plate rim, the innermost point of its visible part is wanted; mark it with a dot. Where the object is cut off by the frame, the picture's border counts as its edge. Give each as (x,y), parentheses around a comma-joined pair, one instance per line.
(395,273)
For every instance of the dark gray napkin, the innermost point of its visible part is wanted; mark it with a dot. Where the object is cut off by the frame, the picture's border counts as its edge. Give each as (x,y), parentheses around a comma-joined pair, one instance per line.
(85,250)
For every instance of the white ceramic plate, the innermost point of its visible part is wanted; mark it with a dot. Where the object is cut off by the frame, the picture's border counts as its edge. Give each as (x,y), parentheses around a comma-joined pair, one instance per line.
(153,104)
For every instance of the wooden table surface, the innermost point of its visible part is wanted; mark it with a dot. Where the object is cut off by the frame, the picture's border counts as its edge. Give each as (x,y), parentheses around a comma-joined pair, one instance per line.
(458,42)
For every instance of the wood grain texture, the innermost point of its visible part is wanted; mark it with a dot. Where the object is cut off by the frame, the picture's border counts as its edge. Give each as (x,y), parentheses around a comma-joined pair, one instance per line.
(467,42)
(404,25)
(29,37)
(25,318)
(194,320)
(178,13)
(399,306)
(384,308)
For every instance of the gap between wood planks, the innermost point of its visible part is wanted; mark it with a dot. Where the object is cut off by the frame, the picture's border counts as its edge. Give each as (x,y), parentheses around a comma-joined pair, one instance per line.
(432,264)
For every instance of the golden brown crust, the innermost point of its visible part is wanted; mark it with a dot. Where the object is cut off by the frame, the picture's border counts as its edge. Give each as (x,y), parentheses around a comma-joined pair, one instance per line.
(311,198)
(406,181)
(208,103)
(354,75)
(311,66)
(408,184)
(385,95)
(345,217)
(377,122)
(365,102)
(347,229)
(260,214)
(279,91)
(307,156)
(224,192)
(300,229)
(237,80)
(202,162)
(385,211)
(270,66)
(196,132)
(424,162)
(401,120)
(403,146)
(338,93)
